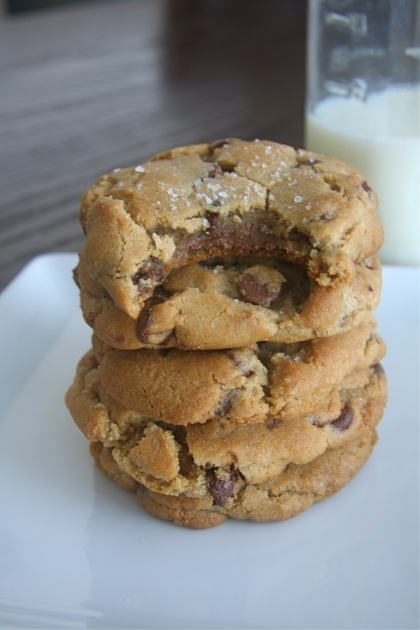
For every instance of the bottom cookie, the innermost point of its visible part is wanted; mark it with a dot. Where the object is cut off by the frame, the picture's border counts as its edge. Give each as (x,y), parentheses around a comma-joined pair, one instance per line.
(283,497)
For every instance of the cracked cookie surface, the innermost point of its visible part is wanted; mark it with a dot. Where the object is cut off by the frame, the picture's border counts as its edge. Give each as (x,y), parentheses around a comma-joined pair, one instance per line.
(245,385)
(227,198)
(175,459)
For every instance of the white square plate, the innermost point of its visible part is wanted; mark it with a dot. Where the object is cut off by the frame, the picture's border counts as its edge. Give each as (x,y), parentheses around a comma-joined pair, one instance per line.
(77,551)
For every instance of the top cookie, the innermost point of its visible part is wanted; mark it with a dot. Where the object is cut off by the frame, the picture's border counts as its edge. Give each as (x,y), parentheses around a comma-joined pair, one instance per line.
(227,198)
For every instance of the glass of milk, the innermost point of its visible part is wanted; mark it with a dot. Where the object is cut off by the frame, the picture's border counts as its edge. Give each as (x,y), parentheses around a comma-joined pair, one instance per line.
(362,105)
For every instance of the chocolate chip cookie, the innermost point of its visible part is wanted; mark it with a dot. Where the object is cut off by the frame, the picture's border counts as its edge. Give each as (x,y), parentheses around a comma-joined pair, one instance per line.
(230,198)
(245,384)
(173,458)
(227,494)
(233,302)
(235,364)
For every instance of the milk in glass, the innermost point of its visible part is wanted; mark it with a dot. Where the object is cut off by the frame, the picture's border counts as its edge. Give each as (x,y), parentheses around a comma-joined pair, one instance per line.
(380,137)
(362,105)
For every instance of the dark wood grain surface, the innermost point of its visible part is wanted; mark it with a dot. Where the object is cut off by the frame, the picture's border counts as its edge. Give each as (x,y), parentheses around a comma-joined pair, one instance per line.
(96,86)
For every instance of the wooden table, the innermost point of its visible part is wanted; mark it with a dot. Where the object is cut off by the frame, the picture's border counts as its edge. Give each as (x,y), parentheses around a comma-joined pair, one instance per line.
(92,87)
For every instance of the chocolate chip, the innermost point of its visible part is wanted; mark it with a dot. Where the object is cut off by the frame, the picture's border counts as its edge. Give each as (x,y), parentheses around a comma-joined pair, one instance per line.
(158,297)
(260,285)
(241,363)
(226,404)
(254,291)
(274,423)
(219,488)
(344,420)
(366,187)
(378,370)
(151,273)
(216,170)
(211,217)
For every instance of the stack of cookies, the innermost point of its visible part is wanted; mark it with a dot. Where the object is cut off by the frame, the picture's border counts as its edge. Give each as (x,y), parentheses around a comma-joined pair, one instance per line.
(234,368)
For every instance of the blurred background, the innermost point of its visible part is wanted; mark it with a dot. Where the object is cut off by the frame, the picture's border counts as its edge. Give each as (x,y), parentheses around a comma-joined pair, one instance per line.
(90,86)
